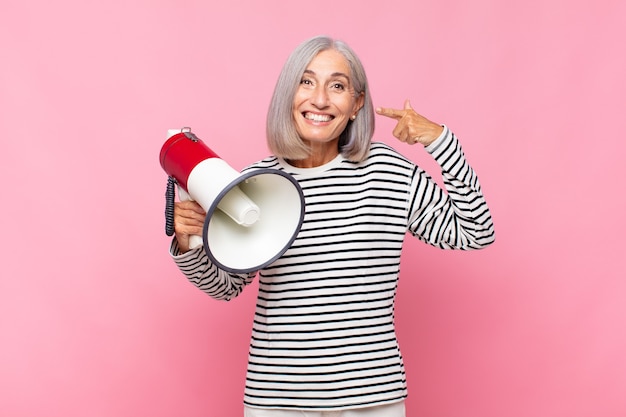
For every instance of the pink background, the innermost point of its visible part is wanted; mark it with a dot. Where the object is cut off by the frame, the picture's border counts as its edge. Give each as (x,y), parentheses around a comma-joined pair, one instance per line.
(95,320)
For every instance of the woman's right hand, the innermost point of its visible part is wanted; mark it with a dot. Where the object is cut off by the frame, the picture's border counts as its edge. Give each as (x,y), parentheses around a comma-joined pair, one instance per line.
(188,221)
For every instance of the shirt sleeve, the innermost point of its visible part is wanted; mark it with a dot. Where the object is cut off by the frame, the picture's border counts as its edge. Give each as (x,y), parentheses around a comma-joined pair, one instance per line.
(201,272)
(454,218)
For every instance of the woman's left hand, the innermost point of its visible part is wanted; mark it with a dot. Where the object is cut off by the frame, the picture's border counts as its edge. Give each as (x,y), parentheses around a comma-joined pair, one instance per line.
(412,128)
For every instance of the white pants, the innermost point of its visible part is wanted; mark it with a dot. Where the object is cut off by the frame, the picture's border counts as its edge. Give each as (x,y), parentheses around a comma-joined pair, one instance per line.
(387,410)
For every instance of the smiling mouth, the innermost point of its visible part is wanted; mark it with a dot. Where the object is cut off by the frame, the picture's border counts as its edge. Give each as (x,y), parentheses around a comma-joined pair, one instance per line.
(318,117)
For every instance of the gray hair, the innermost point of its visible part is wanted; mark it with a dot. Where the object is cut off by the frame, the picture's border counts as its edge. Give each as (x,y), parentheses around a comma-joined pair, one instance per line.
(283,139)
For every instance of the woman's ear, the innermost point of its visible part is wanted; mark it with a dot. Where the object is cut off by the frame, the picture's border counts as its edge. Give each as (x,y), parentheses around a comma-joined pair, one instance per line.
(359,102)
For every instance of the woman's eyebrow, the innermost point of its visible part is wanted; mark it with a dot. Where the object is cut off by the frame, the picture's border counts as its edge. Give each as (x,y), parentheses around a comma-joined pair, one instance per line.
(333,75)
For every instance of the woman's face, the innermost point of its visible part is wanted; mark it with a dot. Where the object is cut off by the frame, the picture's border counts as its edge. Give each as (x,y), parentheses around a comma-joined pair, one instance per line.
(325,99)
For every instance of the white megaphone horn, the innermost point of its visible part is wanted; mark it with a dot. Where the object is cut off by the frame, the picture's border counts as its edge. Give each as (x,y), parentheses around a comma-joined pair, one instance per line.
(252,218)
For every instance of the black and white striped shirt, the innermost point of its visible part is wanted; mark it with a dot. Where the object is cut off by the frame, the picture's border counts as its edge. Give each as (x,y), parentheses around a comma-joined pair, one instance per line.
(323,334)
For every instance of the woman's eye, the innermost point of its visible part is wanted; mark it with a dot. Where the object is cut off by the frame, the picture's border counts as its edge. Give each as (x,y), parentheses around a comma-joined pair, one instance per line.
(305,81)
(338,86)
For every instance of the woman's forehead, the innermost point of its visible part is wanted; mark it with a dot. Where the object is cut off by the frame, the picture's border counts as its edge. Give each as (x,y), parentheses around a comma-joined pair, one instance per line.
(330,63)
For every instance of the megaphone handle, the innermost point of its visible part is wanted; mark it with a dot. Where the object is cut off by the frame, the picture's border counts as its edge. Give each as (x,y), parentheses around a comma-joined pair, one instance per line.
(194,240)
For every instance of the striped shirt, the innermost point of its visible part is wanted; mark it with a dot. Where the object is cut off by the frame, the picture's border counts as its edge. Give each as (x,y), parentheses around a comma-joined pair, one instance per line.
(323,335)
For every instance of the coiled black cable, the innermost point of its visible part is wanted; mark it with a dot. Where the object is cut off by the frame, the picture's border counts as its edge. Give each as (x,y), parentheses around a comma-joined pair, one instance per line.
(170,194)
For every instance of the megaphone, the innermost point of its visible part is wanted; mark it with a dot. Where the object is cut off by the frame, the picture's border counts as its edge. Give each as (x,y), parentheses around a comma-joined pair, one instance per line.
(251,218)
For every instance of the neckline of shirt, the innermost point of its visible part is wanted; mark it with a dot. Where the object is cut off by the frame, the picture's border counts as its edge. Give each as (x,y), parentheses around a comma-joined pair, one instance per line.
(309,171)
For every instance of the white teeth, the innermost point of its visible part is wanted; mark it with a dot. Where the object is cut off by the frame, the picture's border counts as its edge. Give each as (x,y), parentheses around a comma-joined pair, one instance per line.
(318,117)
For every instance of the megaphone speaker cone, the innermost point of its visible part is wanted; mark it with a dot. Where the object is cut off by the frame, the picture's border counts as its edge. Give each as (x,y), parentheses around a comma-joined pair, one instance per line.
(241,248)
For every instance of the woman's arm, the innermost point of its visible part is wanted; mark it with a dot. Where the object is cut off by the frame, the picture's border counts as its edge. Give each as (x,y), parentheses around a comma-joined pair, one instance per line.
(458,218)
(194,263)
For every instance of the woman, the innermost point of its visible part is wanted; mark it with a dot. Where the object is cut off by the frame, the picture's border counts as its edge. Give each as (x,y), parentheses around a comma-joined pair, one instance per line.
(323,339)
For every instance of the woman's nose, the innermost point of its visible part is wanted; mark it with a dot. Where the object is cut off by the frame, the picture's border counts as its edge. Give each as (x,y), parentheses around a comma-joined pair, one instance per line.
(320,97)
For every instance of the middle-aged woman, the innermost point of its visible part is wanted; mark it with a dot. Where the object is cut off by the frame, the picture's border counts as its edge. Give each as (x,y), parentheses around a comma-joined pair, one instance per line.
(323,339)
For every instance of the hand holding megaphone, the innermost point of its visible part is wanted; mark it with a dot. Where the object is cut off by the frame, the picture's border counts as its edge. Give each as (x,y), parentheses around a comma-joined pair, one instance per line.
(189,219)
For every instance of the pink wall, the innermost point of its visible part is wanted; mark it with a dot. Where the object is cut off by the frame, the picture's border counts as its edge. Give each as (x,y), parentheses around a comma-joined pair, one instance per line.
(96,321)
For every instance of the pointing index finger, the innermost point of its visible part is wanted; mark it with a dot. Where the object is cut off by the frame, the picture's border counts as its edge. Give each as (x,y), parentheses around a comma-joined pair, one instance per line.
(388,112)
